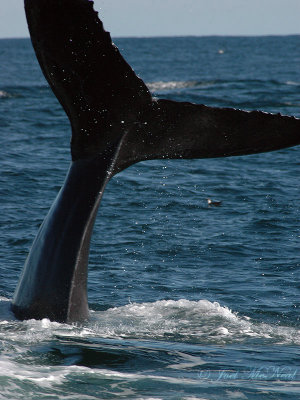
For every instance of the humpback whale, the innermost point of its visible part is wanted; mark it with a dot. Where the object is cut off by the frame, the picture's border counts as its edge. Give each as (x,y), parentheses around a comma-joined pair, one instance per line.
(115,122)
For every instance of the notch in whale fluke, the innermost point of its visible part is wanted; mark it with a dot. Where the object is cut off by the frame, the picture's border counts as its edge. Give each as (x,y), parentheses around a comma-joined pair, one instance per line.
(115,122)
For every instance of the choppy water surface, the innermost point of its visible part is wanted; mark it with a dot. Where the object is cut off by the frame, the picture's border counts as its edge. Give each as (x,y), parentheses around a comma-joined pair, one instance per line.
(187,301)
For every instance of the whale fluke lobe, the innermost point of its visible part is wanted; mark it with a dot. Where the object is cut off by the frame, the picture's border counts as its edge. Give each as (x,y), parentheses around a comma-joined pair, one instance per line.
(115,123)
(178,130)
(99,91)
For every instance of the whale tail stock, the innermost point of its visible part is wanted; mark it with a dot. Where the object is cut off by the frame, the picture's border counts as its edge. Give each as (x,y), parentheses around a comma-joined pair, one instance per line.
(115,123)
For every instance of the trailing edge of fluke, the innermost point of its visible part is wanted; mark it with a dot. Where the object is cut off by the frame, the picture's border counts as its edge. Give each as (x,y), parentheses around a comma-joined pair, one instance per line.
(115,123)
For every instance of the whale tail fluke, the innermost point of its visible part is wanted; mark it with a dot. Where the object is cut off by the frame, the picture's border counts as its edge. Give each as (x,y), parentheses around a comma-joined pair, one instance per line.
(105,100)
(175,130)
(115,123)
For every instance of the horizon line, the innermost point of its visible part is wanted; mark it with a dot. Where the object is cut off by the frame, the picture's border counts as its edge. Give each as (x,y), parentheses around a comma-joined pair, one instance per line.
(176,36)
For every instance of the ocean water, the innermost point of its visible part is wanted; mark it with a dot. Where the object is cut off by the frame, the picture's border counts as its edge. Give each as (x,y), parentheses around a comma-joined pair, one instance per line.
(187,301)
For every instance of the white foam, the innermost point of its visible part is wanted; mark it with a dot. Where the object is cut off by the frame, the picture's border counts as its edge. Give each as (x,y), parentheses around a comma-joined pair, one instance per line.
(52,376)
(171,85)
(188,361)
(6,314)
(235,394)
(293,83)
(184,319)
(43,376)
(4,94)
(181,320)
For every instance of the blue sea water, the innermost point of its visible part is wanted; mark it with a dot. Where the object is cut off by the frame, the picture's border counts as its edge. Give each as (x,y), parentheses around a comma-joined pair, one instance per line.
(187,301)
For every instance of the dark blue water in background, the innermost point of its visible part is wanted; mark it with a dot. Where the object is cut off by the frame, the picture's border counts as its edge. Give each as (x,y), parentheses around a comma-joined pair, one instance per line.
(188,301)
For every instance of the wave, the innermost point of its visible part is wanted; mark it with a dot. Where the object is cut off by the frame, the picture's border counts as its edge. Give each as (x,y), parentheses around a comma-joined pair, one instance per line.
(292,83)
(158,86)
(187,321)
(180,320)
(171,85)
(17,91)
(137,344)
